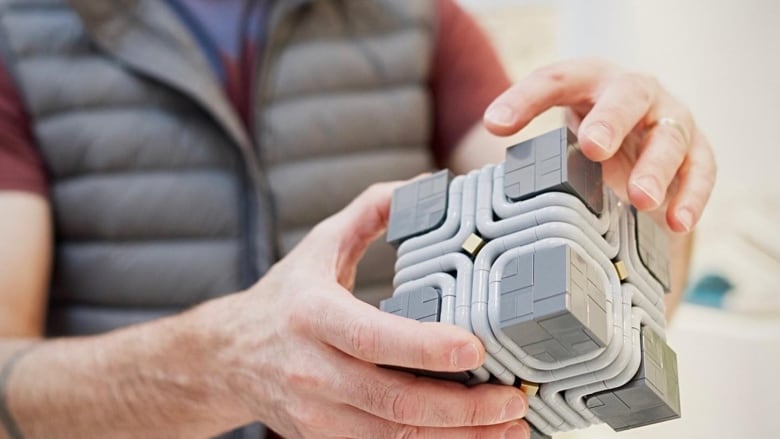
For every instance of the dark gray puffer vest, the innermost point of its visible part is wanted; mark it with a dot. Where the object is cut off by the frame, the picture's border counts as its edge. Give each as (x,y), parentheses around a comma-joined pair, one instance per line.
(161,197)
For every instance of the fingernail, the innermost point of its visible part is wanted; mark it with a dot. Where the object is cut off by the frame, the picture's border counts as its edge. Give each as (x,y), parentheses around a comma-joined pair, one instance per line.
(600,135)
(515,432)
(500,114)
(649,185)
(685,217)
(514,409)
(465,357)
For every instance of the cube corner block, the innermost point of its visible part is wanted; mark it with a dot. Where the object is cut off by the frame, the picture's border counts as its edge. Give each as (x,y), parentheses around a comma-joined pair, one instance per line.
(553,162)
(552,305)
(418,207)
(652,395)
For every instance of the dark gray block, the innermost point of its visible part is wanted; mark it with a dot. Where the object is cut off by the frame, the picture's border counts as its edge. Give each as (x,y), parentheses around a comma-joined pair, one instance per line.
(536,434)
(651,396)
(652,244)
(553,305)
(552,162)
(418,207)
(422,304)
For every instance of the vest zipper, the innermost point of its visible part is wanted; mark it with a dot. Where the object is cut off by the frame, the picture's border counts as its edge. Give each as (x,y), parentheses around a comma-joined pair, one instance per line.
(273,35)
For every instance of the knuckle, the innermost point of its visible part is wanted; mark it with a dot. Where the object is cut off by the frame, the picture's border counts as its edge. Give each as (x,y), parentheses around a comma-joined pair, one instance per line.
(405,404)
(641,86)
(675,140)
(660,166)
(472,413)
(612,117)
(552,74)
(407,432)
(362,337)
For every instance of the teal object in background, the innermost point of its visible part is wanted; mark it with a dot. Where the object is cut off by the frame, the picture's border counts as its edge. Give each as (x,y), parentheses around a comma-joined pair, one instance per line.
(709,290)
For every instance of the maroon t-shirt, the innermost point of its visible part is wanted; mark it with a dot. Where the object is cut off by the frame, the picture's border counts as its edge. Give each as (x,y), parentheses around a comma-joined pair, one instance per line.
(466,76)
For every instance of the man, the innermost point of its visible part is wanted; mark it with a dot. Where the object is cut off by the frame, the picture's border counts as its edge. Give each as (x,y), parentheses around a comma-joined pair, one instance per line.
(156,155)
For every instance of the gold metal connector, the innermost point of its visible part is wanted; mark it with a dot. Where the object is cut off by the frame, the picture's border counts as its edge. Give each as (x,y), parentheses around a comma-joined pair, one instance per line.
(473,244)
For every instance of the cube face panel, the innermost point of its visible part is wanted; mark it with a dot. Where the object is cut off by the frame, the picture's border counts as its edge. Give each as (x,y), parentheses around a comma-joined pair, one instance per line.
(550,307)
(555,276)
(552,162)
(651,396)
(418,207)
(653,247)
(422,304)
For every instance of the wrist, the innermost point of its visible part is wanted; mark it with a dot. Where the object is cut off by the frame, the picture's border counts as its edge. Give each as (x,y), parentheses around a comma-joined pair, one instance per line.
(208,341)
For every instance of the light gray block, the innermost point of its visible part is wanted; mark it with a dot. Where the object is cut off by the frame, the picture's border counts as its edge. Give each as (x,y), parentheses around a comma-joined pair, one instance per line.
(553,305)
(652,244)
(422,304)
(418,207)
(552,162)
(651,396)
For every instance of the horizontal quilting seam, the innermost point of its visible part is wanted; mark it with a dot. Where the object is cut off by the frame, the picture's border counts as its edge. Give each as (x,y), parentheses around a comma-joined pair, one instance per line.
(65,21)
(139,242)
(137,173)
(278,166)
(367,38)
(63,304)
(139,104)
(380,87)
(100,107)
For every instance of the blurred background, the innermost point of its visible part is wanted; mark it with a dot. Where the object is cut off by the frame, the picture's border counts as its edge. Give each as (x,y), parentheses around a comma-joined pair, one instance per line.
(721,57)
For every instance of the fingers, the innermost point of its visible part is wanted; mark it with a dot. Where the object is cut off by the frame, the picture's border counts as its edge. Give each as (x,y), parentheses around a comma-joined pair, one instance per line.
(696,179)
(621,106)
(364,332)
(665,148)
(353,423)
(362,220)
(565,83)
(348,422)
(402,398)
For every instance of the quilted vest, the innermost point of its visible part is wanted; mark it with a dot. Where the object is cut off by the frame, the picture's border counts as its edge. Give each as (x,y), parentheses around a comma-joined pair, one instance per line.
(161,197)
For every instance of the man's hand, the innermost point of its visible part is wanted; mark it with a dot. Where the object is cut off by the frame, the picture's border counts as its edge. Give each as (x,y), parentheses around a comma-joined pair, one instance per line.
(665,167)
(296,351)
(302,351)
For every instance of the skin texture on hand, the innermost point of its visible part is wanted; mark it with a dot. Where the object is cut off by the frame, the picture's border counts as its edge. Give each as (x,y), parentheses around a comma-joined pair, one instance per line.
(296,351)
(657,167)
(303,352)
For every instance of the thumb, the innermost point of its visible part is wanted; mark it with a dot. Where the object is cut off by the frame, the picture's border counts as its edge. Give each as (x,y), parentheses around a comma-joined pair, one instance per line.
(346,235)
(364,332)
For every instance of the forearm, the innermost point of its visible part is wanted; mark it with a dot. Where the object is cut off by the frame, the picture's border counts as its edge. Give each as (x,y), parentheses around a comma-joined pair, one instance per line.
(151,380)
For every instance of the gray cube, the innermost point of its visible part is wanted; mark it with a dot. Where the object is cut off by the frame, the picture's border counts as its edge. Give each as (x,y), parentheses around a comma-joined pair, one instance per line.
(553,306)
(651,396)
(552,162)
(418,207)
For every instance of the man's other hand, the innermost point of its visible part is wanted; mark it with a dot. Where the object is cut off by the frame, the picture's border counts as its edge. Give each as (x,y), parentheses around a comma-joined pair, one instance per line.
(301,352)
